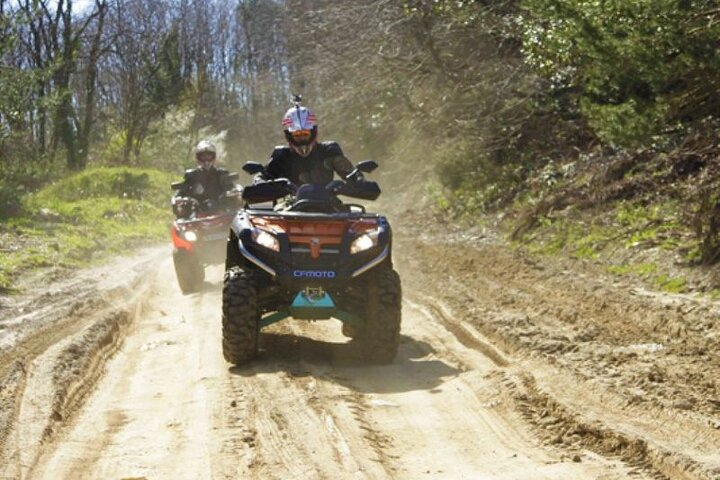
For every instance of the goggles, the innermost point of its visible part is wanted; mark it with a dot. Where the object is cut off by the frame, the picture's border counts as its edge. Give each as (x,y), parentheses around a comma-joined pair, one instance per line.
(301,137)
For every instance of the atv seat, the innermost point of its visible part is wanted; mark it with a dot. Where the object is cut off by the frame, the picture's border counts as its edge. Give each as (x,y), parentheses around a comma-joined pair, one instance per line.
(315,198)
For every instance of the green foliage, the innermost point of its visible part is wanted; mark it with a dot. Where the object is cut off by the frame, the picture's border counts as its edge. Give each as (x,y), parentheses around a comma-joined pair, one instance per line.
(705,216)
(626,123)
(649,271)
(579,240)
(475,181)
(17,177)
(626,224)
(88,214)
(645,270)
(639,68)
(165,80)
(167,146)
(652,225)
(671,284)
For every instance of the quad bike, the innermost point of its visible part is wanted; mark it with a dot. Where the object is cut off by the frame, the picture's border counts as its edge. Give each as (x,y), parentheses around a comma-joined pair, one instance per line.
(199,236)
(311,258)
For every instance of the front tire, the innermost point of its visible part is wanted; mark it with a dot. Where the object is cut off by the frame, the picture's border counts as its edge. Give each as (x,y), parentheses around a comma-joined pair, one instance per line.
(189,271)
(380,338)
(240,317)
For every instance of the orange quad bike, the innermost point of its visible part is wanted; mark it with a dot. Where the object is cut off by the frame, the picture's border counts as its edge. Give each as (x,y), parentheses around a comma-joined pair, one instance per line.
(311,257)
(199,235)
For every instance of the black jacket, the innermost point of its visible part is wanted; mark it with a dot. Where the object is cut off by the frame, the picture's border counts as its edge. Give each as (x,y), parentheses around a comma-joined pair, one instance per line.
(205,184)
(319,167)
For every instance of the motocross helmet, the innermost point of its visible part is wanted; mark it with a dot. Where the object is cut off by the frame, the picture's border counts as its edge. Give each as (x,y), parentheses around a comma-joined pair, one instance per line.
(205,154)
(300,126)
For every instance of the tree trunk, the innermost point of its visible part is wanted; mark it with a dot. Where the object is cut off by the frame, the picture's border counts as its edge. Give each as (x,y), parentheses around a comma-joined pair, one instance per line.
(91,88)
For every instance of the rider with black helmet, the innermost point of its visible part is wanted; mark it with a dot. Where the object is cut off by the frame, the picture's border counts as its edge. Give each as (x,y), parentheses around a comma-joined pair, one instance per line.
(203,187)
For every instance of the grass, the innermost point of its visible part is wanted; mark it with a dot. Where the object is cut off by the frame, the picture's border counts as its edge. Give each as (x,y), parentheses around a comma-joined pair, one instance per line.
(624,226)
(84,217)
(649,271)
(670,284)
(645,270)
(579,240)
(650,225)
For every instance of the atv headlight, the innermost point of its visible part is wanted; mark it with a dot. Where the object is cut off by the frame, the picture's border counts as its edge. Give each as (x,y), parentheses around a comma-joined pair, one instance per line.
(364,242)
(265,239)
(190,236)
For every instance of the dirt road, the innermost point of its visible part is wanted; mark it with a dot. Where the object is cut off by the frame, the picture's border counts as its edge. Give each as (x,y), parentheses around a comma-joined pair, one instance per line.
(168,406)
(134,386)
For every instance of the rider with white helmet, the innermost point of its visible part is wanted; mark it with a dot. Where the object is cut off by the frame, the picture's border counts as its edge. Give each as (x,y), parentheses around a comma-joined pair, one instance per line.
(304,159)
(206,184)
(205,154)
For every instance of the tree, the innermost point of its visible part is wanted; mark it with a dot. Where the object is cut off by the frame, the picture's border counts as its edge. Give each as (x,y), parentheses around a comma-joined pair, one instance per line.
(637,69)
(53,38)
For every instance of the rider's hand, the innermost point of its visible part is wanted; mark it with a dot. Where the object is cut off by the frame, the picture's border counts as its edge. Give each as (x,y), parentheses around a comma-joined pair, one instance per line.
(334,186)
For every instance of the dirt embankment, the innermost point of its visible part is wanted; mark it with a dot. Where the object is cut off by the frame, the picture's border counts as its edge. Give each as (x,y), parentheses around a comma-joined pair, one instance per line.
(608,365)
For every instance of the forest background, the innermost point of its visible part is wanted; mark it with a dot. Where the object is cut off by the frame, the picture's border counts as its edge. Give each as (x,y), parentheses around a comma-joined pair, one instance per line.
(577,125)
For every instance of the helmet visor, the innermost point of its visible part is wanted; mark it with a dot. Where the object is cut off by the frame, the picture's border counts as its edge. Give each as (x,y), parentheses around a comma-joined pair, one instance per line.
(301,137)
(205,159)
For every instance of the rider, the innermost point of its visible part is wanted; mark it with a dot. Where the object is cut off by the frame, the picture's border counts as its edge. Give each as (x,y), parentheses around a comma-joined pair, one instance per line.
(206,184)
(305,160)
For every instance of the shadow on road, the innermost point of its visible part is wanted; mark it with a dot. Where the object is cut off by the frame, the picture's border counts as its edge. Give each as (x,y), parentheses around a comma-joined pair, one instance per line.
(341,363)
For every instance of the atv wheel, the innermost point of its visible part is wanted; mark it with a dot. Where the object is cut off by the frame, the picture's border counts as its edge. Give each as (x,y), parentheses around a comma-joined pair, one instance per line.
(190,273)
(380,338)
(240,317)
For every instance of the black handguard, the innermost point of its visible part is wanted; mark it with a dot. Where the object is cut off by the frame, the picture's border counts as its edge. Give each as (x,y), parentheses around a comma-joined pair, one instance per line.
(292,188)
(355,176)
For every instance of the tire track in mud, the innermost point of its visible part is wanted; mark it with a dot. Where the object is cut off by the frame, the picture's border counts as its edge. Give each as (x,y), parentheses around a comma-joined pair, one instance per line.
(63,350)
(20,351)
(291,430)
(11,390)
(422,415)
(555,420)
(152,412)
(559,425)
(552,421)
(60,380)
(340,405)
(307,408)
(238,436)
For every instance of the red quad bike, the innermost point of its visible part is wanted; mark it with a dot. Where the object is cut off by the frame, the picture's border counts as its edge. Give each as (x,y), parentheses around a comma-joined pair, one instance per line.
(199,236)
(313,259)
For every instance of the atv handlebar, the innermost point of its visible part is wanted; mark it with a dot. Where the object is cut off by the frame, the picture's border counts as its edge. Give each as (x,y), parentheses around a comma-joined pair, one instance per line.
(367,166)
(273,190)
(354,185)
